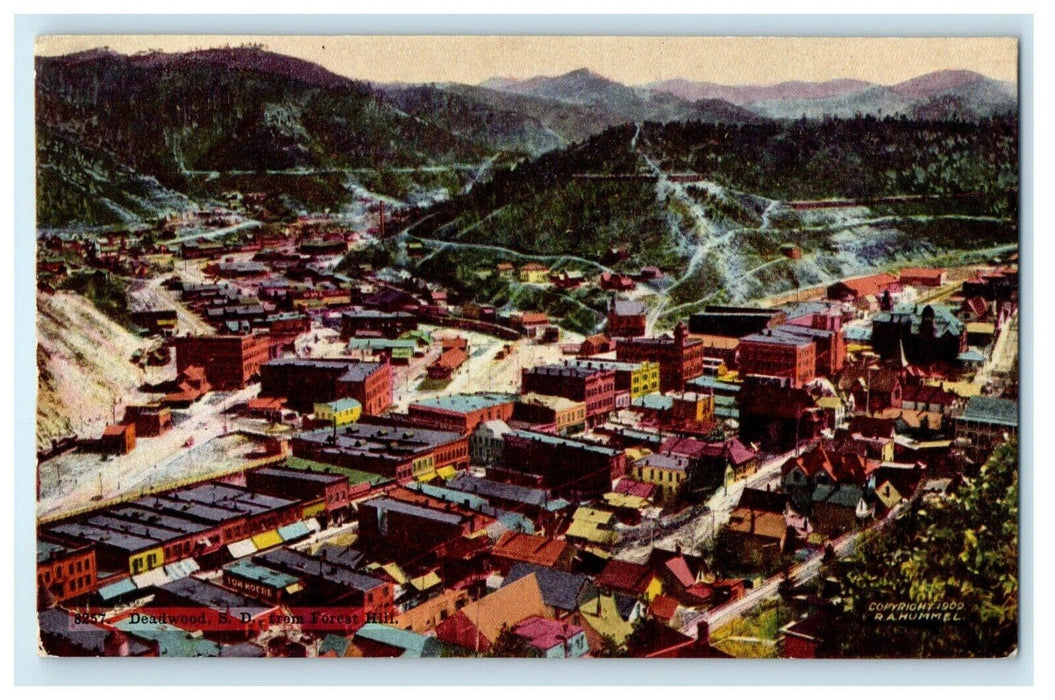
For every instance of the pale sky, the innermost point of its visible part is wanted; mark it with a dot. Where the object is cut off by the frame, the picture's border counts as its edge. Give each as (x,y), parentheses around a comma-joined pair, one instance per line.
(630,60)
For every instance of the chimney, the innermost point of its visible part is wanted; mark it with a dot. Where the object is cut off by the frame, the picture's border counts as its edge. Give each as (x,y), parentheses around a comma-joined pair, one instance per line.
(703,634)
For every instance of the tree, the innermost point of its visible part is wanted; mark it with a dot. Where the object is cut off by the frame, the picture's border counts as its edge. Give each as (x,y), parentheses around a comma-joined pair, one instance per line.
(960,551)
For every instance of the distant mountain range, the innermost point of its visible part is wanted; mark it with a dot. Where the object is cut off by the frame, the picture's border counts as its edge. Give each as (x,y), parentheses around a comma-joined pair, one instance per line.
(941,95)
(124,138)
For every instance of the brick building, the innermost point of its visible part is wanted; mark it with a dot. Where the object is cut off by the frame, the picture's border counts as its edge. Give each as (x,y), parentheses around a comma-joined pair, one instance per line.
(229,361)
(306,382)
(118,439)
(926,334)
(461,413)
(626,318)
(633,378)
(368,321)
(397,451)
(67,571)
(591,385)
(195,521)
(150,420)
(680,358)
(331,490)
(565,465)
(776,417)
(547,414)
(774,353)
(407,530)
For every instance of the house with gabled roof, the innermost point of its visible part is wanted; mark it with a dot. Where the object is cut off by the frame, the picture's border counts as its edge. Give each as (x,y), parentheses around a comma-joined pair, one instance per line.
(561,590)
(632,579)
(479,623)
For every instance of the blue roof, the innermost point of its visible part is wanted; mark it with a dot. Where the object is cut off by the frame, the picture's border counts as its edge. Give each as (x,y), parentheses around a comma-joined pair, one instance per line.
(711,383)
(861,334)
(294,531)
(334,643)
(971,355)
(114,590)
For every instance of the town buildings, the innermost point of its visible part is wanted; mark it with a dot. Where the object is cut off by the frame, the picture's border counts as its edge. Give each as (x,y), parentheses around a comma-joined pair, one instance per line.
(391,450)
(461,413)
(229,361)
(778,354)
(626,318)
(305,382)
(591,385)
(680,357)
(922,335)
(564,465)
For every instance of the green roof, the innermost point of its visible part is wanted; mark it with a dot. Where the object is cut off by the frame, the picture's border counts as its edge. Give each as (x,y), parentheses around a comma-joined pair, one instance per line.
(656,402)
(260,574)
(342,405)
(414,645)
(354,475)
(381,344)
(465,403)
(172,641)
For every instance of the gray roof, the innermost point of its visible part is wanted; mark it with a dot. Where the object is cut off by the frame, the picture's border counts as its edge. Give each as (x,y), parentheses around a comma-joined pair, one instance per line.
(661,460)
(378,439)
(777,337)
(560,589)
(564,370)
(292,561)
(208,595)
(497,489)
(945,320)
(59,624)
(993,410)
(628,307)
(390,504)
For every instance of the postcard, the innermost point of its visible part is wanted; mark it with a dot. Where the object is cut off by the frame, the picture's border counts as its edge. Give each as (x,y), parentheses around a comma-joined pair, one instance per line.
(527,346)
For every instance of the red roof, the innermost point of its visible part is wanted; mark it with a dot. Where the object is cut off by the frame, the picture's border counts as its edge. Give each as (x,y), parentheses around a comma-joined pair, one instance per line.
(451,358)
(873,285)
(545,634)
(680,569)
(663,607)
(625,576)
(530,317)
(928,394)
(922,272)
(630,487)
(534,549)
(115,430)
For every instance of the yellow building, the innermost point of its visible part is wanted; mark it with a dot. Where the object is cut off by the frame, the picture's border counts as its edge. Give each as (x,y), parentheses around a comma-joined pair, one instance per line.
(344,411)
(534,273)
(667,471)
(692,407)
(644,379)
(643,376)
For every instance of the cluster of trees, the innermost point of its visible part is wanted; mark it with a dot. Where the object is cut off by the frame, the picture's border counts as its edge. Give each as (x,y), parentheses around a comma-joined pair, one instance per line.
(864,157)
(961,550)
